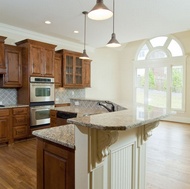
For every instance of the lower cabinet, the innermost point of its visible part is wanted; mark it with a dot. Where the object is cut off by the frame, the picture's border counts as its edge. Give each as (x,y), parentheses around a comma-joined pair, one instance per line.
(14,124)
(55,166)
(5,123)
(20,124)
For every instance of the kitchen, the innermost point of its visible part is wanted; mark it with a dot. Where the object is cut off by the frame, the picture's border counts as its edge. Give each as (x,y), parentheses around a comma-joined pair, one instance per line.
(117,80)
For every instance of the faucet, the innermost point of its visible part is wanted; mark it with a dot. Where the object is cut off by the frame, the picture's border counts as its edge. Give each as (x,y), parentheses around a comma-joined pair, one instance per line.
(112,109)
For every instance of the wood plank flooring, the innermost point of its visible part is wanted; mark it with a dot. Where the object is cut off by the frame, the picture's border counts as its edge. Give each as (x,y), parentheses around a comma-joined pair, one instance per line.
(168,157)
(18,165)
(168,160)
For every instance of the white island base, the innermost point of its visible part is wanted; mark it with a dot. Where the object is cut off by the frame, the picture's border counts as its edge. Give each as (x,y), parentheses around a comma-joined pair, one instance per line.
(111,159)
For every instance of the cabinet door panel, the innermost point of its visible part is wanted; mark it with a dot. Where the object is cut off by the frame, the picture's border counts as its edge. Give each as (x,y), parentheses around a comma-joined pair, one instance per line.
(55,171)
(2,58)
(36,61)
(48,63)
(58,69)
(87,73)
(13,60)
(4,129)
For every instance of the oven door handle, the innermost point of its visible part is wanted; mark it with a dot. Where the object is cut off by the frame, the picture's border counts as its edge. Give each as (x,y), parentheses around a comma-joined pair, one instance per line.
(40,109)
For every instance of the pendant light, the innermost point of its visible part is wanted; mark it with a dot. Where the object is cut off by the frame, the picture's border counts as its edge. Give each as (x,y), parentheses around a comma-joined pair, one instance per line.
(113,41)
(100,11)
(84,55)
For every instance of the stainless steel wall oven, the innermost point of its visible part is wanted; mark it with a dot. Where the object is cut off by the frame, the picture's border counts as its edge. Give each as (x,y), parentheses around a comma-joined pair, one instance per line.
(41,100)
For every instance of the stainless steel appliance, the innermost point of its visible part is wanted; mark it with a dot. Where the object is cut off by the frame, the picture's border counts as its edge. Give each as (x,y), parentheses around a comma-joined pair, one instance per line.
(41,89)
(41,100)
(40,115)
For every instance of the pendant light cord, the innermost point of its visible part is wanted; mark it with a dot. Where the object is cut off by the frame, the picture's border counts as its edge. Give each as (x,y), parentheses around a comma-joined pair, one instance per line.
(85,29)
(113,15)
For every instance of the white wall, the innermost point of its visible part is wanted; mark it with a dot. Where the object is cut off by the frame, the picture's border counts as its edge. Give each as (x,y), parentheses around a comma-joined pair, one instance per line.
(104,75)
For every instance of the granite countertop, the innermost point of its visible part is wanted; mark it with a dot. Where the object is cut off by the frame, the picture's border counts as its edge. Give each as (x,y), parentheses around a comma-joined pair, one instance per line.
(63,135)
(14,106)
(81,111)
(122,120)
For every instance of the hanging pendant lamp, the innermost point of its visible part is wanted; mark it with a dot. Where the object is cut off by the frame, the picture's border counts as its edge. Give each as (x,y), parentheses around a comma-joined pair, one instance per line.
(100,11)
(84,55)
(113,41)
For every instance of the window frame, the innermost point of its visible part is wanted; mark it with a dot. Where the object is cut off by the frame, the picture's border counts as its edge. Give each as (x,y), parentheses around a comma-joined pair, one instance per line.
(168,62)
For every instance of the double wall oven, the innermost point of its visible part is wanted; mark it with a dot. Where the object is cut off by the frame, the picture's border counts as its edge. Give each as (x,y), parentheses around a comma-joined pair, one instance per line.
(41,100)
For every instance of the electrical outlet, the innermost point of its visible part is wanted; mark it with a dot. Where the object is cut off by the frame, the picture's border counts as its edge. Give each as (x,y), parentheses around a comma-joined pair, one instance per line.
(76,103)
(1,102)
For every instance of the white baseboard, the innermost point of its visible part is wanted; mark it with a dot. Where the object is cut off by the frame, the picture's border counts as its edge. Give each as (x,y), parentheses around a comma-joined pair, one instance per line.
(178,119)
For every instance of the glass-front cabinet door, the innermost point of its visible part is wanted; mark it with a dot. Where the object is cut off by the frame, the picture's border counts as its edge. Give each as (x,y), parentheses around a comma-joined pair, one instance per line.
(78,71)
(69,70)
(73,74)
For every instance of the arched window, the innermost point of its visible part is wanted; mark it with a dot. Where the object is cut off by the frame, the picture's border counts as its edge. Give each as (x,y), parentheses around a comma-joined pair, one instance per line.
(160,74)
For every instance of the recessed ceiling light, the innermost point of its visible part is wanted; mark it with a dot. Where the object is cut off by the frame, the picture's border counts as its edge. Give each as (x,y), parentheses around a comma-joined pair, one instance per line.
(76,31)
(47,22)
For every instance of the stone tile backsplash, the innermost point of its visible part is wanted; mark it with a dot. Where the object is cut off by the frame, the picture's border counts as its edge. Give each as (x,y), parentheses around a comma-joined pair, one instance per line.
(8,96)
(93,104)
(64,95)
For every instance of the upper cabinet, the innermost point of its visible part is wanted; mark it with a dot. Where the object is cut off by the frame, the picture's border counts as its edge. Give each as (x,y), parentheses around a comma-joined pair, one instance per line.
(2,56)
(13,63)
(58,68)
(75,71)
(39,57)
(87,73)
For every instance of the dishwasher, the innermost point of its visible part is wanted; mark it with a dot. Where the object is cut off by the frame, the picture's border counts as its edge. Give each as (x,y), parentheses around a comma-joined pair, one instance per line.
(61,117)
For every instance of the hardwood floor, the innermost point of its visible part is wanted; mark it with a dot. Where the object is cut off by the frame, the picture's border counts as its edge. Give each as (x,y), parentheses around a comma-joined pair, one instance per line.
(18,165)
(168,160)
(168,157)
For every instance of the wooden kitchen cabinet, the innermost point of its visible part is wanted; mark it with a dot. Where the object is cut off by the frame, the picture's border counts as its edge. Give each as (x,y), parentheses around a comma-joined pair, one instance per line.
(2,56)
(53,117)
(75,71)
(5,123)
(87,73)
(39,57)
(20,124)
(13,62)
(55,166)
(58,67)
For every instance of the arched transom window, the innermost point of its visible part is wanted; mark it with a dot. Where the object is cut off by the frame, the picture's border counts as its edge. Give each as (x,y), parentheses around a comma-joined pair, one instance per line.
(160,73)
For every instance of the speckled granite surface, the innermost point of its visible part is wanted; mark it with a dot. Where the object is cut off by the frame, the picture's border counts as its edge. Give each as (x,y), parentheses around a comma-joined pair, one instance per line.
(14,106)
(81,111)
(63,135)
(121,120)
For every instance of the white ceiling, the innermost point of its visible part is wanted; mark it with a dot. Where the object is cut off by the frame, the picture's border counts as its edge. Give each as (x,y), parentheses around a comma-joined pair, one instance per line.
(134,19)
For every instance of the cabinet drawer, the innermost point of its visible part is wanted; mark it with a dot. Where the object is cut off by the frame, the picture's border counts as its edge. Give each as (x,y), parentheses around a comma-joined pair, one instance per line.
(17,111)
(20,120)
(4,112)
(19,131)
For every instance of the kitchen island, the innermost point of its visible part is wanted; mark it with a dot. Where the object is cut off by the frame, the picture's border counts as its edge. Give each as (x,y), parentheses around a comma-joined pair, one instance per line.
(110,148)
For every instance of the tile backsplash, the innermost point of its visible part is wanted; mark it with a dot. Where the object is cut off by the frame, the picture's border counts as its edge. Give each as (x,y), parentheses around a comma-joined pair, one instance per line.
(63,95)
(8,96)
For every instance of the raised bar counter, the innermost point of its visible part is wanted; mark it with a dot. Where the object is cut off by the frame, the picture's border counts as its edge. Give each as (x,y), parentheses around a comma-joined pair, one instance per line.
(110,147)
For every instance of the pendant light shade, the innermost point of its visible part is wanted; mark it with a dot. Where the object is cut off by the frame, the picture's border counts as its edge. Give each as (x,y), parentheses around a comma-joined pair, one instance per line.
(100,11)
(113,41)
(84,55)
